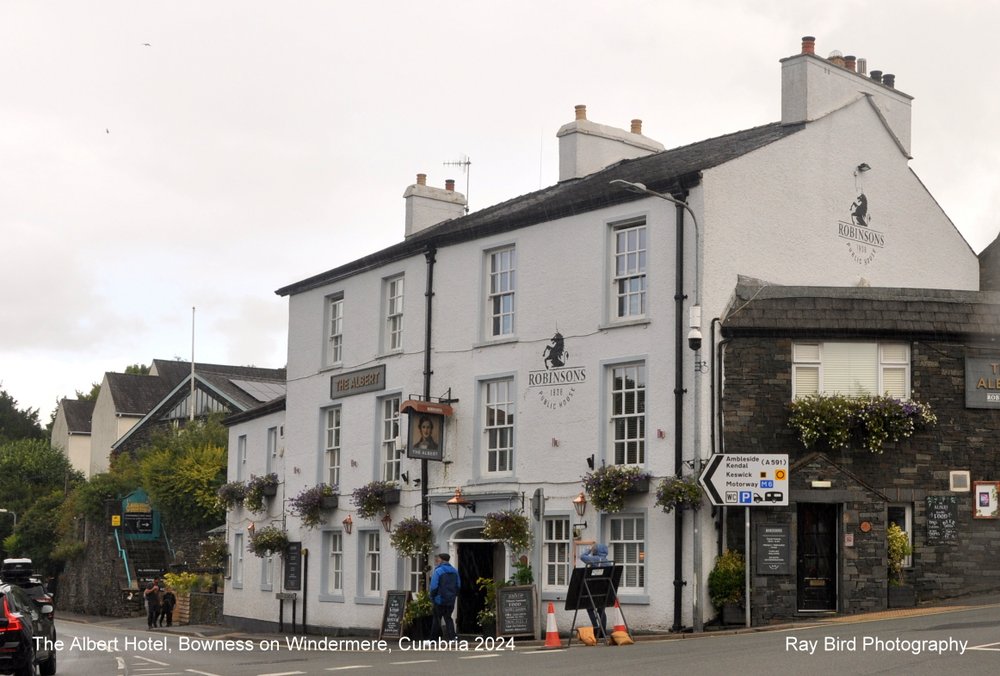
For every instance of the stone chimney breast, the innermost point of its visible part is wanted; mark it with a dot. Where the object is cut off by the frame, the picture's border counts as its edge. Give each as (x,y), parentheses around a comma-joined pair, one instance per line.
(586,147)
(427,206)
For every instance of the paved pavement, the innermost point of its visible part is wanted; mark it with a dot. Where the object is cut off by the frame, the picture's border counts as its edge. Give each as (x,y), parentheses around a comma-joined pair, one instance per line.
(211,630)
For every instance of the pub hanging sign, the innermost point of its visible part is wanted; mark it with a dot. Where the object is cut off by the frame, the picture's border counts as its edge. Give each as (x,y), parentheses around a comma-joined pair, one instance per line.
(982,382)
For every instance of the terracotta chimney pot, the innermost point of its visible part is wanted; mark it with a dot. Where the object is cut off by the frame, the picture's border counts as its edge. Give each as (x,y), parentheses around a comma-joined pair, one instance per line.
(850,63)
(636,126)
(808,45)
(449,184)
(421,179)
(581,112)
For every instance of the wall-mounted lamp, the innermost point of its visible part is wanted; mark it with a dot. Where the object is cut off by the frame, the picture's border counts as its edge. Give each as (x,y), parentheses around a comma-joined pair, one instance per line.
(405,476)
(387,523)
(348,524)
(863,167)
(578,529)
(457,501)
(251,528)
(580,504)
(590,461)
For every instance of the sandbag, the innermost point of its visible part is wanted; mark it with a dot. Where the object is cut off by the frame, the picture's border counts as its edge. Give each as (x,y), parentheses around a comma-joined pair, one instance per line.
(621,638)
(586,635)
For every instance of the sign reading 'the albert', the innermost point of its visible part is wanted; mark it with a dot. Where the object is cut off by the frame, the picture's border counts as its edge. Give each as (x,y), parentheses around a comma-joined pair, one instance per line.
(982,382)
(357,382)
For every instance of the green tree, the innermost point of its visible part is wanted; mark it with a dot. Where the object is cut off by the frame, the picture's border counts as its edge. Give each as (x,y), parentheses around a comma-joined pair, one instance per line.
(16,423)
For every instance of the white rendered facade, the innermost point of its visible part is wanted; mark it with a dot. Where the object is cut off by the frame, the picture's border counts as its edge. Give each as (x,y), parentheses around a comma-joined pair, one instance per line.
(781,212)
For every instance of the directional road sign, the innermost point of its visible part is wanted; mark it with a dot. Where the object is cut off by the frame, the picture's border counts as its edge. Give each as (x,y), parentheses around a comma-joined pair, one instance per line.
(740,480)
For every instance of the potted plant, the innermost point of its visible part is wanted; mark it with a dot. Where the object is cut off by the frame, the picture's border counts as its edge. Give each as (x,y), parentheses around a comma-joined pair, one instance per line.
(510,527)
(231,494)
(726,584)
(417,617)
(608,485)
(487,616)
(412,537)
(374,498)
(522,574)
(678,492)
(901,595)
(258,488)
(872,420)
(267,540)
(309,504)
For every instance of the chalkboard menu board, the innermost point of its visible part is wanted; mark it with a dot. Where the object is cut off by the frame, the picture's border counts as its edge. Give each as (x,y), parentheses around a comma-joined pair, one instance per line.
(773,550)
(392,614)
(516,611)
(293,566)
(942,519)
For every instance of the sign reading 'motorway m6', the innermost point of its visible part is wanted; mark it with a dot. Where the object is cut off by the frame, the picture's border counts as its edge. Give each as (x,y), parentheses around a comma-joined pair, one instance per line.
(739,480)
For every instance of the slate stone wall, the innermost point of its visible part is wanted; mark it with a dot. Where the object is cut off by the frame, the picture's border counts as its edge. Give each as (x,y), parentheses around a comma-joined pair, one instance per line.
(756,392)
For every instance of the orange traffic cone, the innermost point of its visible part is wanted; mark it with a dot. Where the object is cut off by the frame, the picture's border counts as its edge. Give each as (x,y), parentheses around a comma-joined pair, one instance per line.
(551,633)
(618,619)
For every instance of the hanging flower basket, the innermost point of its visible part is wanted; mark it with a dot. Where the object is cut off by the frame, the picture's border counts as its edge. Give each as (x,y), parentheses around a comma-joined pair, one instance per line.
(412,537)
(258,488)
(510,527)
(871,421)
(374,498)
(608,485)
(231,494)
(678,493)
(311,502)
(268,540)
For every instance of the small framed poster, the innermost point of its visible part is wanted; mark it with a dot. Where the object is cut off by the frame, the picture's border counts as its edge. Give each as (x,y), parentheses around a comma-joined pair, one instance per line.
(984,500)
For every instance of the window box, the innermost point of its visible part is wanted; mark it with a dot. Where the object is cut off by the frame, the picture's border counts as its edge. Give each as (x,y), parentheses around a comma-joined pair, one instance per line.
(329,502)
(640,486)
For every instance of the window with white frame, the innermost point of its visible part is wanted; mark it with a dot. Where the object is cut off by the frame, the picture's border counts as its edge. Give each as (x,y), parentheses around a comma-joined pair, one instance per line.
(241,457)
(902,515)
(335,562)
(238,560)
(628,414)
(629,266)
(272,449)
(394,314)
(498,424)
(335,330)
(628,549)
(500,296)
(267,572)
(850,368)
(332,445)
(411,573)
(391,450)
(556,562)
(373,563)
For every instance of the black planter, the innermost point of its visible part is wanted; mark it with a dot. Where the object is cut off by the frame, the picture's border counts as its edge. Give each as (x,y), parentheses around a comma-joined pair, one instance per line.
(329,502)
(641,486)
(391,496)
(902,596)
(269,491)
(420,629)
(733,613)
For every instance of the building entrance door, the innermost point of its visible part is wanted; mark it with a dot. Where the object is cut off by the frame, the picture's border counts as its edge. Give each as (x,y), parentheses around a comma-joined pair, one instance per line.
(475,560)
(817,560)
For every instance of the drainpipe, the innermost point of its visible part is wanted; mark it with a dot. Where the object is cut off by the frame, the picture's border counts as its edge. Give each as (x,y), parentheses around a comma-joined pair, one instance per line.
(425,510)
(679,416)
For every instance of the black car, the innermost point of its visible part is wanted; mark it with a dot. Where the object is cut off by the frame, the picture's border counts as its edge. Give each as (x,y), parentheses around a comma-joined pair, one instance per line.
(21,622)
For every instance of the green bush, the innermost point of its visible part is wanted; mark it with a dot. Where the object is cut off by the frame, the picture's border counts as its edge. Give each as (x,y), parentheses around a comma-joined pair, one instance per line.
(727,579)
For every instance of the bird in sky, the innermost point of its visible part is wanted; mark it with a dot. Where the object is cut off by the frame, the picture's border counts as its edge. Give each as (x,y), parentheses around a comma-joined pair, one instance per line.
(146,44)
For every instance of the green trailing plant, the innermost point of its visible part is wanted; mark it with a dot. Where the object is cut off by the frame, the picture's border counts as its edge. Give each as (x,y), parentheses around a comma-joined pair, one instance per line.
(412,537)
(267,540)
(308,504)
(678,492)
(899,548)
(231,494)
(213,552)
(417,608)
(258,488)
(872,420)
(370,499)
(487,616)
(522,574)
(608,485)
(727,579)
(510,527)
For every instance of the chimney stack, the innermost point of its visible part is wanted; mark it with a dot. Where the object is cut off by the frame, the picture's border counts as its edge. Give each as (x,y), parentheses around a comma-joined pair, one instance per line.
(427,206)
(586,147)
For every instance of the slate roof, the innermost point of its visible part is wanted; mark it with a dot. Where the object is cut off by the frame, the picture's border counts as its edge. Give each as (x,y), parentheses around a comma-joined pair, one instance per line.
(757,307)
(79,413)
(220,377)
(669,171)
(135,394)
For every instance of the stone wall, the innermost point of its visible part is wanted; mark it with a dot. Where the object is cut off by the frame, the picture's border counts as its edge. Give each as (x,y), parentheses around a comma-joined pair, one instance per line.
(91,583)
(757,391)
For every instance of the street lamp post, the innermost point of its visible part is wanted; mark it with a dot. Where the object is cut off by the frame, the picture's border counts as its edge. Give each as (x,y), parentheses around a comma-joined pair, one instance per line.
(694,341)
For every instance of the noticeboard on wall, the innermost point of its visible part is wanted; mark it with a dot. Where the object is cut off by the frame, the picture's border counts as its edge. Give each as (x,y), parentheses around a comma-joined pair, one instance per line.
(942,519)
(985,504)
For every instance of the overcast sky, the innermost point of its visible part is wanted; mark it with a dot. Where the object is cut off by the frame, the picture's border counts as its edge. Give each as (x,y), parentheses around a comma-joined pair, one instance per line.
(159,156)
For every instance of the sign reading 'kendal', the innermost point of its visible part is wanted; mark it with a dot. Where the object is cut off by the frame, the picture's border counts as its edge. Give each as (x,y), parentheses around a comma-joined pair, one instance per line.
(357,382)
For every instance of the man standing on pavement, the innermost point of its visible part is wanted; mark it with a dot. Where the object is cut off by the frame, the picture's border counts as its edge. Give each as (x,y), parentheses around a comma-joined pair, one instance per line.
(152,597)
(445,584)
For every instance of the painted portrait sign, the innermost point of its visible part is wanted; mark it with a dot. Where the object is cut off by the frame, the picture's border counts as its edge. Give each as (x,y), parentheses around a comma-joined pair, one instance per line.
(426,436)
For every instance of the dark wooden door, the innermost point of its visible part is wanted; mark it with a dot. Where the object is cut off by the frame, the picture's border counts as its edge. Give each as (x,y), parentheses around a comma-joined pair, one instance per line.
(817,556)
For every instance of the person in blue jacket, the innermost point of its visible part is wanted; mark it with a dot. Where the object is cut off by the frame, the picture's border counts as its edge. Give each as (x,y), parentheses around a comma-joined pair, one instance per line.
(445,584)
(597,557)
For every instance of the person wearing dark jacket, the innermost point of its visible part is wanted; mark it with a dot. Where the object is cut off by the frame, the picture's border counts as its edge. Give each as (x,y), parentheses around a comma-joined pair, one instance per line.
(152,598)
(445,584)
(167,602)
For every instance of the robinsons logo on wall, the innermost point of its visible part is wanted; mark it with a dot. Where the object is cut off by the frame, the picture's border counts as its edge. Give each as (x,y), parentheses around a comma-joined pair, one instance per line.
(555,383)
(863,241)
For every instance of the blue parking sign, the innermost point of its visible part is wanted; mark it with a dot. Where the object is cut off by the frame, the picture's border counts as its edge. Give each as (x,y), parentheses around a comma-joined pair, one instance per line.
(745,497)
